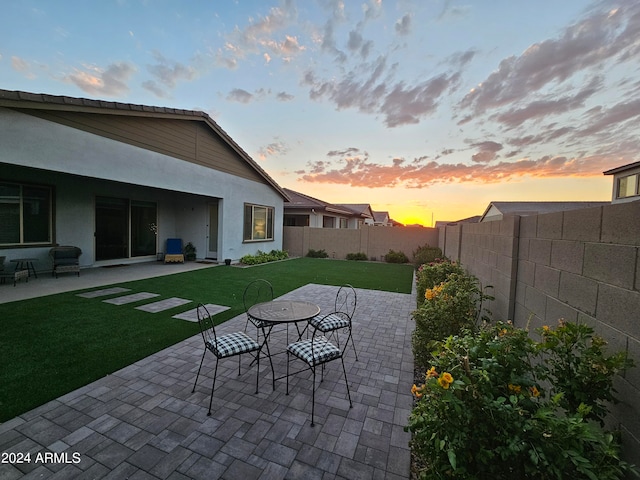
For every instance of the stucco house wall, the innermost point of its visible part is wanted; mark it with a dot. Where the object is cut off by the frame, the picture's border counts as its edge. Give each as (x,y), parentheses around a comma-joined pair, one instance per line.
(81,165)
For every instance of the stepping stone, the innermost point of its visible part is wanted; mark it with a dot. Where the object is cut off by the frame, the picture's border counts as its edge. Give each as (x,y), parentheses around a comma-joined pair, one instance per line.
(135,297)
(156,307)
(192,315)
(103,292)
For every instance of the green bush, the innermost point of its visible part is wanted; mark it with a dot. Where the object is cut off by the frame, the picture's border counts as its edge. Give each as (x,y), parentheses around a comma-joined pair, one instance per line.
(263,257)
(426,254)
(396,257)
(450,307)
(317,253)
(432,274)
(492,407)
(357,256)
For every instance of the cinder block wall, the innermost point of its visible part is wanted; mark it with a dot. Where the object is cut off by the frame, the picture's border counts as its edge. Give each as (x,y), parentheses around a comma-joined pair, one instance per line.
(375,242)
(580,265)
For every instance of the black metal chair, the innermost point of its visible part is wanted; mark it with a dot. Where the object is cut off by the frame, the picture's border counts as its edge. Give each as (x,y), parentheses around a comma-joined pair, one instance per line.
(257,291)
(316,352)
(346,302)
(224,346)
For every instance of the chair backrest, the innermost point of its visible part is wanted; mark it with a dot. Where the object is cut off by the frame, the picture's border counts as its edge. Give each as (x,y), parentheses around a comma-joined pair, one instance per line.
(257,291)
(2,262)
(346,300)
(174,246)
(207,327)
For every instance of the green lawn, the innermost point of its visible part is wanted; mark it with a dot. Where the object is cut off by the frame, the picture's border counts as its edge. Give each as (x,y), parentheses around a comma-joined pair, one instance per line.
(52,345)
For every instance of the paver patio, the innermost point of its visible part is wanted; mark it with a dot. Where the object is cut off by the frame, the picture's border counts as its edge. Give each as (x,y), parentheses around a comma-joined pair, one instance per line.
(143,422)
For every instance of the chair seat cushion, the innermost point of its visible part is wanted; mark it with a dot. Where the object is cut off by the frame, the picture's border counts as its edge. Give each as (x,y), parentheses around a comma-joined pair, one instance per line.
(233,344)
(314,351)
(256,322)
(327,323)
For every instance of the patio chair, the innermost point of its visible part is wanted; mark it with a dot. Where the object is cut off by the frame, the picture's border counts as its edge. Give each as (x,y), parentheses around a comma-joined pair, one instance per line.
(224,346)
(316,352)
(346,301)
(174,253)
(65,259)
(257,291)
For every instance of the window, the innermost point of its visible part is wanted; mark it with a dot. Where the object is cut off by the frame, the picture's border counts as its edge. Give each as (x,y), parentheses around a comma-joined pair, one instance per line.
(344,223)
(25,214)
(258,223)
(328,222)
(628,186)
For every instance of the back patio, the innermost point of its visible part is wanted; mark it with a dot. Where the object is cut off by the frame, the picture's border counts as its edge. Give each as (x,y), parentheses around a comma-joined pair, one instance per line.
(143,422)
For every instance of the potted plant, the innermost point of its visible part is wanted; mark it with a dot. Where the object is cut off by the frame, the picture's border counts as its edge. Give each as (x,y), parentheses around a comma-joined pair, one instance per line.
(189,251)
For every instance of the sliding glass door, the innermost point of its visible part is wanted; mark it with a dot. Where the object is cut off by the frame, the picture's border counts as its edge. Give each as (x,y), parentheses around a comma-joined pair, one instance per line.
(125,228)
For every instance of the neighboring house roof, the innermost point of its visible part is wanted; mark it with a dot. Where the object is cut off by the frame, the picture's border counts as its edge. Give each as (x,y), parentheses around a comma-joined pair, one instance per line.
(622,168)
(497,210)
(445,223)
(40,101)
(361,209)
(301,201)
(381,217)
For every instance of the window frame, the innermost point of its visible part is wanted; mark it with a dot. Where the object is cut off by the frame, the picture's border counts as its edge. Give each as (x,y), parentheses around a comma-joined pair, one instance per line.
(636,186)
(250,230)
(22,211)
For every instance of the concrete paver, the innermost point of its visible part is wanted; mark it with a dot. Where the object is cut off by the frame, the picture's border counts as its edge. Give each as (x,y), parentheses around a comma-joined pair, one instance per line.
(144,421)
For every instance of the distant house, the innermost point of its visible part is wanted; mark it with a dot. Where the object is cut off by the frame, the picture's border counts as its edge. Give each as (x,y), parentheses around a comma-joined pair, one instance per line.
(302,210)
(362,211)
(626,183)
(382,219)
(118,180)
(498,210)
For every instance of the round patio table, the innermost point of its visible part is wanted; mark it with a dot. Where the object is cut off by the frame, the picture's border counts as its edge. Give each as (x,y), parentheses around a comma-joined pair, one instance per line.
(278,312)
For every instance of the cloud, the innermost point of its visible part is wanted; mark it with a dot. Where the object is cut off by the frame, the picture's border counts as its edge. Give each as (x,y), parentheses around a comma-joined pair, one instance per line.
(275,148)
(257,38)
(403,26)
(167,73)
(284,96)
(376,93)
(487,151)
(538,109)
(601,37)
(355,169)
(111,82)
(240,95)
(22,66)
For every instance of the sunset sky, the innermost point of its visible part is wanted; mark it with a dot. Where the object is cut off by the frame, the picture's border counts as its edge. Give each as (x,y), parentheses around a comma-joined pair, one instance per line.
(427,109)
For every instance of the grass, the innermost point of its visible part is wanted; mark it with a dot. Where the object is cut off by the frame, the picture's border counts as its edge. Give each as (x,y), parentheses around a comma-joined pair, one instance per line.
(55,344)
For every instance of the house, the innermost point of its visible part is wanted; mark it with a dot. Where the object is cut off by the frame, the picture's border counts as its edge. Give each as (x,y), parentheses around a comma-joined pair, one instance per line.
(362,211)
(382,219)
(305,211)
(498,210)
(626,183)
(118,180)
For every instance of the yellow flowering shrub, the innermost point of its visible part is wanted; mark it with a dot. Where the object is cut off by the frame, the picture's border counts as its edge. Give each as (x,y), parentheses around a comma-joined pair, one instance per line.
(487,415)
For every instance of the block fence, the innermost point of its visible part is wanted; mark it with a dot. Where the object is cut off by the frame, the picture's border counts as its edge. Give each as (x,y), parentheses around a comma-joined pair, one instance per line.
(580,265)
(375,242)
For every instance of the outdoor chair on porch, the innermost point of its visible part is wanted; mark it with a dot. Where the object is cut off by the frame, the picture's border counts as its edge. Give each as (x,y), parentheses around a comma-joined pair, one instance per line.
(174,253)
(224,346)
(316,352)
(65,259)
(333,324)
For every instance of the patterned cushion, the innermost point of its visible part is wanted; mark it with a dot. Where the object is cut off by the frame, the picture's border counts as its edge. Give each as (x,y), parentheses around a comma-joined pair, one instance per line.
(327,323)
(233,344)
(256,322)
(323,350)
